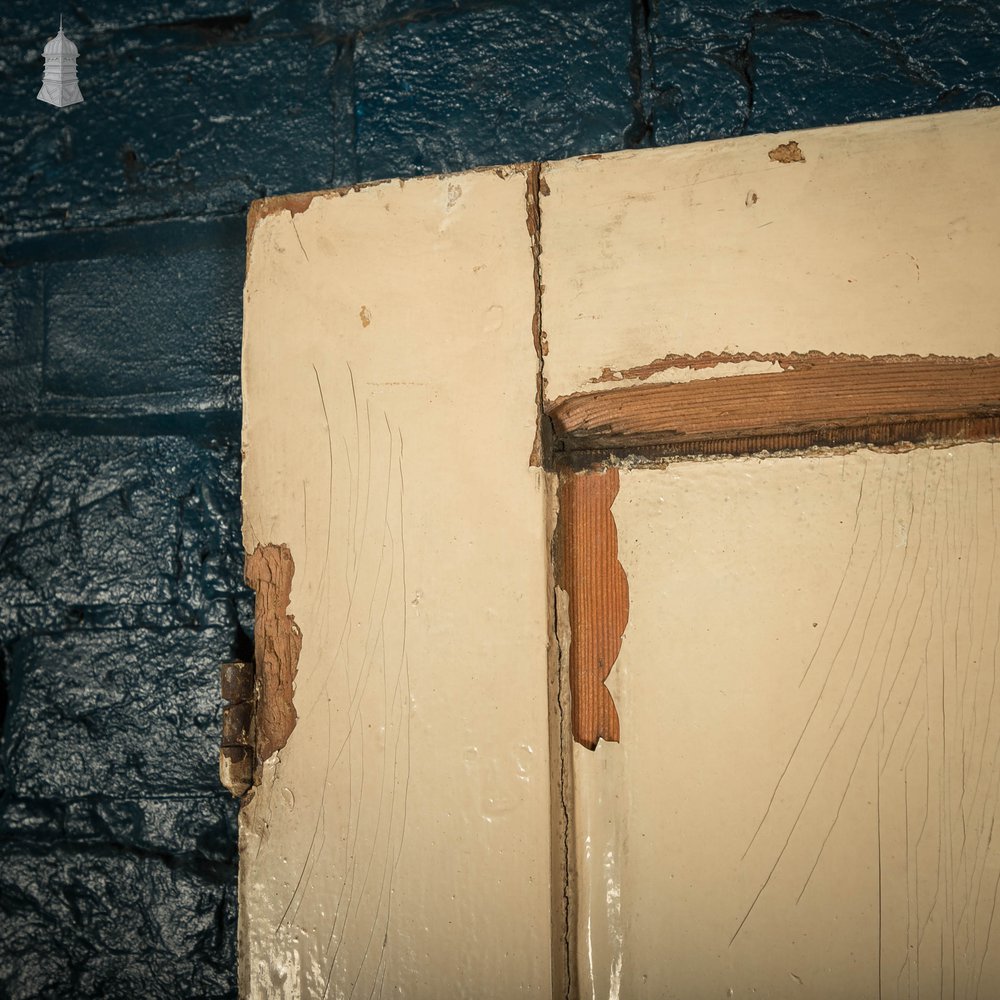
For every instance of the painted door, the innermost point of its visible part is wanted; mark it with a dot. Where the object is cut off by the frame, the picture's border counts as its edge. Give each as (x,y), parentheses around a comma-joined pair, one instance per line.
(613,637)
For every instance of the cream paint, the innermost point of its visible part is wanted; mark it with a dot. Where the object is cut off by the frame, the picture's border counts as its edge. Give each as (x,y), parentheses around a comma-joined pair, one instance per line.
(617,379)
(399,843)
(884,241)
(401,840)
(822,629)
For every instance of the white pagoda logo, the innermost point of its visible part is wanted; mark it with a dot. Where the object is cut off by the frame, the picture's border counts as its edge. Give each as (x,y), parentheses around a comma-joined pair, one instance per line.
(59,85)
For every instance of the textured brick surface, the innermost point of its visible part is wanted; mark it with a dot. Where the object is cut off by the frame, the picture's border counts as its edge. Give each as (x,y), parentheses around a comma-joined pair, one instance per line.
(176,120)
(102,531)
(21,339)
(499,85)
(108,351)
(724,68)
(115,923)
(121,259)
(87,727)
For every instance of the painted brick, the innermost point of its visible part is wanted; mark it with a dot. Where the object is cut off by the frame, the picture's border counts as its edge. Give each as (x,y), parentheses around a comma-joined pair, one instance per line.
(817,71)
(106,924)
(203,825)
(172,124)
(29,20)
(21,339)
(112,713)
(725,69)
(492,86)
(108,532)
(157,332)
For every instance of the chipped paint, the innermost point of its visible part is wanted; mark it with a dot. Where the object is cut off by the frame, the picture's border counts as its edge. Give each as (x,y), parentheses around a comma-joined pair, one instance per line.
(652,374)
(277,645)
(787,152)
(536,187)
(588,571)
(818,401)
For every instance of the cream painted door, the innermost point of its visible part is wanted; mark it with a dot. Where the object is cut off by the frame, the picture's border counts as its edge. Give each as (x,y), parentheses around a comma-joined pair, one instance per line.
(799,649)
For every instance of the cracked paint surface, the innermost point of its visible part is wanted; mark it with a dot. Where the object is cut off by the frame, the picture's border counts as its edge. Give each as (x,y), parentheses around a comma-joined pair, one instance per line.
(120,272)
(807,783)
(413,786)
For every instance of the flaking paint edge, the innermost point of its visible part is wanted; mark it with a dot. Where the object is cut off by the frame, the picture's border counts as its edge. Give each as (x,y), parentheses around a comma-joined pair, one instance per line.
(708,360)
(590,574)
(277,645)
(565,981)
(299,202)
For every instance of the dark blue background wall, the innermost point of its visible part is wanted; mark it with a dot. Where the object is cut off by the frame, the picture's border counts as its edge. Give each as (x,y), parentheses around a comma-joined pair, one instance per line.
(121,243)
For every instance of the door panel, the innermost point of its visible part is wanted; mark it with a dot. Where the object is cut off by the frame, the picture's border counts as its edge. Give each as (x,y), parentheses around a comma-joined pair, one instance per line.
(803,799)
(784,663)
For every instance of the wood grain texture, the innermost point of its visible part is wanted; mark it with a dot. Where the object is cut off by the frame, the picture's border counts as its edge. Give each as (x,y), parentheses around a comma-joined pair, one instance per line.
(588,570)
(277,644)
(818,400)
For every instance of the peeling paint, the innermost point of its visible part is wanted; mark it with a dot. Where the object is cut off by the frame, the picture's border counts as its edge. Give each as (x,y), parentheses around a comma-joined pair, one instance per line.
(787,152)
(277,644)
(785,361)
(563,896)
(295,204)
(535,188)
(613,378)
(588,570)
(826,401)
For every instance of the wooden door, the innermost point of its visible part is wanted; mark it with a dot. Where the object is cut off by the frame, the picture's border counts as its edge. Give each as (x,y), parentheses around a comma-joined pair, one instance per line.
(615,638)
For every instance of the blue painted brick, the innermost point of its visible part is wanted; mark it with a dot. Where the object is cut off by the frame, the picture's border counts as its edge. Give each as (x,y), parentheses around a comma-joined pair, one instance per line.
(828,70)
(488,86)
(725,68)
(157,332)
(173,123)
(21,339)
(110,532)
(115,713)
(698,93)
(29,19)
(114,925)
(202,825)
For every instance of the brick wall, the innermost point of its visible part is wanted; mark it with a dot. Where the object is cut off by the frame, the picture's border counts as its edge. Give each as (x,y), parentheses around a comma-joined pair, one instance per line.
(121,245)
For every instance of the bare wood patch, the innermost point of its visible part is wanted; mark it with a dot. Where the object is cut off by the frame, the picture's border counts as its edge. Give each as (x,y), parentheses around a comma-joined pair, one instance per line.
(787,152)
(708,360)
(818,400)
(277,644)
(588,570)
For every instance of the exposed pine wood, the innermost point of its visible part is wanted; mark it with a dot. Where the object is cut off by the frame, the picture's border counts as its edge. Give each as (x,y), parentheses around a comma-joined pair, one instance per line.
(832,400)
(277,645)
(587,568)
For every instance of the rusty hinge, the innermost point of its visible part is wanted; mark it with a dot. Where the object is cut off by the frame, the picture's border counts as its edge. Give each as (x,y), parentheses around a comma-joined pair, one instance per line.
(236,752)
